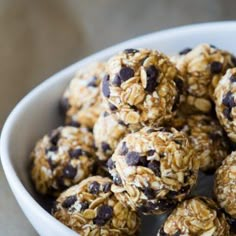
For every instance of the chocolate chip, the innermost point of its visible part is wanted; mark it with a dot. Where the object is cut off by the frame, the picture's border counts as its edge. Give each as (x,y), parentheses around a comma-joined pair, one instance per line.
(182,190)
(110,164)
(185,51)
(143,161)
(155,167)
(75,153)
(152,80)
(106,187)
(64,105)
(162,232)
(120,122)
(117,180)
(112,107)
(116,81)
(84,206)
(60,183)
(151,152)
(51,163)
(232,78)
(126,73)
(130,50)
(215,136)
(105,147)
(213,46)
(124,150)
(179,84)
(149,192)
(233,60)
(228,100)
(176,102)
(74,123)
(232,223)
(92,82)
(227,113)
(52,149)
(134,108)
(132,158)
(69,201)
(216,67)
(165,204)
(94,187)
(104,213)
(105,86)
(105,114)
(54,137)
(69,171)
(178,141)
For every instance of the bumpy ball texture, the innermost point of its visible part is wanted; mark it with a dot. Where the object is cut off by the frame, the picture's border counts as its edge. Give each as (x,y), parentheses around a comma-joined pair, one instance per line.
(207,138)
(225,185)
(142,87)
(107,134)
(196,216)
(153,169)
(225,102)
(90,208)
(202,67)
(81,102)
(61,159)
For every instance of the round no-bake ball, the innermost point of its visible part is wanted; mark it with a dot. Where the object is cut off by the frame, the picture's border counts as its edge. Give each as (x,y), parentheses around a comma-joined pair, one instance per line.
(142,87)
(81,102)
(225,101)
(195,216)
(202,67)
(153,169)
(61,159)
(90,208)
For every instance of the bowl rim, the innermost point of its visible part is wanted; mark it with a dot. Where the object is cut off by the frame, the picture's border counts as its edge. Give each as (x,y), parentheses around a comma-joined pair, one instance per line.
(15,183)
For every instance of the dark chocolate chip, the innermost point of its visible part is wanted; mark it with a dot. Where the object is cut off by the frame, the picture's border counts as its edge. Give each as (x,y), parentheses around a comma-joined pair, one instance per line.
(179,84)
(105,86)
(51,163)
(126,73)
(117,180)
(124,150)
(178,141)
(185,51)
(215,136)
(233,78)
(176,102)
(232,223)
(116,81)
(94,187)
(165,204)
(74,123)
(233,60)
(60,183)
(120,122)
(152,78)
(110,164)
(52,149)
(130,50)
(105,114)
(227,113)
(216,67)
(162,232)
(151,152)
(104,213)
(84,206)
(69,201)
(106,187)
(112,107)
(150,193)
(134,108)
(64,105)
(92,82)
(69,171)
(132,158)
(228,100)
(155,167)
(75,153)
(105,147)
(143,161)
(54,137)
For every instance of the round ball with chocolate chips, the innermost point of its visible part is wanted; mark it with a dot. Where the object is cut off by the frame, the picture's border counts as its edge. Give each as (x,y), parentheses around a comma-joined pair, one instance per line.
(202,67)
(207,137)
(225,187)
(107,133)
(153,169)
(142,87)
(195,216)
(61,159)
(225,101)
(81,102)
(90,208)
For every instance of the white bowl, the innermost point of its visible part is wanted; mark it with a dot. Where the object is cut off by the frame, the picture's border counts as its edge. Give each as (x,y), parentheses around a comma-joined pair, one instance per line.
(37,113)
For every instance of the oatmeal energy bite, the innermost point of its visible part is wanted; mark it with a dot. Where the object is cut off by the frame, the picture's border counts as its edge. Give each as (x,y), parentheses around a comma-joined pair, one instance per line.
(107,134)
(81,102)
(225,94)
(196,216)
(61,159)
(202,67)
(142,87)
(153,169)
(90,208)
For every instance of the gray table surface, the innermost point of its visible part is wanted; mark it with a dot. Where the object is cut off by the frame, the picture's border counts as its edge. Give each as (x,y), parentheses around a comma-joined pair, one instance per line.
(40,37)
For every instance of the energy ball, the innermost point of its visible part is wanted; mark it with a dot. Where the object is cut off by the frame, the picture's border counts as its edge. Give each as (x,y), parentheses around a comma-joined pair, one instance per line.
(196,216)
(225,94)
(207,138)
(81,102)
(107,134)
(225,185)
(153,169)
(90,208)
(142,87)
(61,159)
(202,67)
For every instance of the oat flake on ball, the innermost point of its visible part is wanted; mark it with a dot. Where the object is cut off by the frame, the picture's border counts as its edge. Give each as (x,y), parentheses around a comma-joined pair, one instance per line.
(142,87)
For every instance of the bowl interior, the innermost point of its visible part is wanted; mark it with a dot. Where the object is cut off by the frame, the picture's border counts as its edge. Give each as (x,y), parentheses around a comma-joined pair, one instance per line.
(38,112)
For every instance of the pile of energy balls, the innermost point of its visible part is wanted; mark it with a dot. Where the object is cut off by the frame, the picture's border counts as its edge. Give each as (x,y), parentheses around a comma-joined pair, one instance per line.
(138,129)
